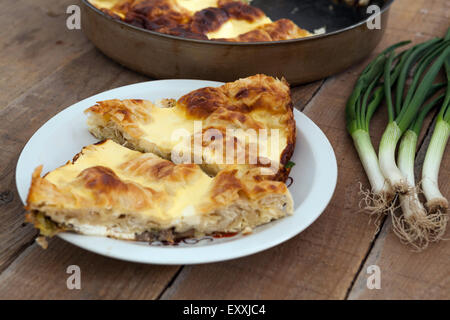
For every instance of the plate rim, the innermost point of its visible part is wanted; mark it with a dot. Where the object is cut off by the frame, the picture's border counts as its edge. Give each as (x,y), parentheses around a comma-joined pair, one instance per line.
(181,255)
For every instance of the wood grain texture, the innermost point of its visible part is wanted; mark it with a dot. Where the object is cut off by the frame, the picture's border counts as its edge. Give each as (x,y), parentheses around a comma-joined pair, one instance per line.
(42,274)
(84,76)
(34,42)
(302,95)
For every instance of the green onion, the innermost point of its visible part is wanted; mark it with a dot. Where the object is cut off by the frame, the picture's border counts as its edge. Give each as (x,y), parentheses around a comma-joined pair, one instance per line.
(411,56)
(361,105)
(386,77)
(414,226)
(430,171)
(401,117)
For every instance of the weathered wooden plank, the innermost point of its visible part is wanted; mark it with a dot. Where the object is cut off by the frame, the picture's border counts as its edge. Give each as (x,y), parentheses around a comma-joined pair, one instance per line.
(302,95)
(34,42)
(89,74)
(42,274)
(322,261)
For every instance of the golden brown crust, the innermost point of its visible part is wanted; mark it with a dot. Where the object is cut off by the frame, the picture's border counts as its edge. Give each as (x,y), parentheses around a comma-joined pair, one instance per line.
(223,117)
(208,20)
(154,168)
(284,29)
(164,16)
(199,104)
(232,183)
(240,10)
(211,19)
(108,190)
(226,187)
(261,93)
(126,112)
(258,92)
(101,187)
(167,16)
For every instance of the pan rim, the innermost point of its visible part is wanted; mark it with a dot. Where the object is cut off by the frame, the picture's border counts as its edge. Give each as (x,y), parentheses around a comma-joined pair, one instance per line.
(225,43)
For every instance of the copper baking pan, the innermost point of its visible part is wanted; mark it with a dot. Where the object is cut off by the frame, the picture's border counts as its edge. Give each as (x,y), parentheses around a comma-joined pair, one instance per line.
(348,40)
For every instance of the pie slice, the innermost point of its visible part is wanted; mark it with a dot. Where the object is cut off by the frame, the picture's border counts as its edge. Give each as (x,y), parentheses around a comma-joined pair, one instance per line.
(110,190)
(249,123)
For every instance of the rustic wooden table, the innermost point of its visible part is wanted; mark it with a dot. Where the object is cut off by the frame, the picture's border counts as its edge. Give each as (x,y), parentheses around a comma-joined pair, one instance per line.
(44,67)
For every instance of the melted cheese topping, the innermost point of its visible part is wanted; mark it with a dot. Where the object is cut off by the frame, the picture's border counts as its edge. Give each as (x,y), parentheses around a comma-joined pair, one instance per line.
(273,152)
(103,4)
(233,28)
(230,29)
(197,5)
(170,130)
(107,4)
(165,124)
(183,199)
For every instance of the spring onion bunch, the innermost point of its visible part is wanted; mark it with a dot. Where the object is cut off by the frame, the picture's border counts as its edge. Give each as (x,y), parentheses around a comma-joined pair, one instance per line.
(434,53)
(362,104)
(423,62)
(406,82)
(415,226)
(436,202)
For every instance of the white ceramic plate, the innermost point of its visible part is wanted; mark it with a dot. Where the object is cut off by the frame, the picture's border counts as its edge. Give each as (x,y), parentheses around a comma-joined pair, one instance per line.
(314,180)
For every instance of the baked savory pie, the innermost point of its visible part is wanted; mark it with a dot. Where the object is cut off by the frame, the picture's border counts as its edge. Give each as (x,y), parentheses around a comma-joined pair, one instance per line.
(110,190)
(225,20)
(252,116)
